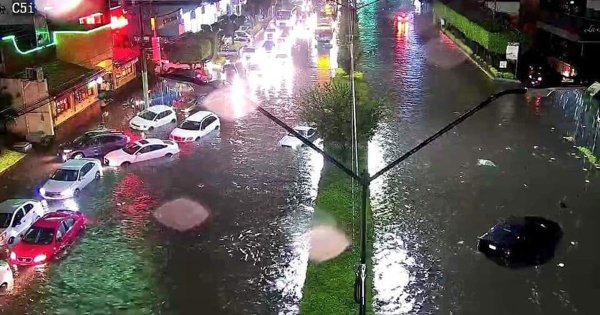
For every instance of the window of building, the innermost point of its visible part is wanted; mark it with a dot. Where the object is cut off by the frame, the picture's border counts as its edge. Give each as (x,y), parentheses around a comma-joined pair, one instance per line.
(83,93)
(62,104)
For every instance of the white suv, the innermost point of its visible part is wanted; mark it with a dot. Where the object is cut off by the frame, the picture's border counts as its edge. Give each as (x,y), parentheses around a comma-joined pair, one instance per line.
(16,216)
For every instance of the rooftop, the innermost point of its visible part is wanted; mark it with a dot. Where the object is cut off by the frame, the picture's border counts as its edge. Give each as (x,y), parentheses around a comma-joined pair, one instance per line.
(63,75)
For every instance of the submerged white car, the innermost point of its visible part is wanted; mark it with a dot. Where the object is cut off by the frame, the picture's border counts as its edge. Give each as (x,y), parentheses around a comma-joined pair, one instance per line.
(195,127)
(71,178)
(142,150)
(6,277)
(153,117)
(290,141)
(16,216)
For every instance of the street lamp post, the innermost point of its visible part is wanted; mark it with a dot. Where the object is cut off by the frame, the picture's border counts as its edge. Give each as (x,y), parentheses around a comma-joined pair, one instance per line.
(360,288)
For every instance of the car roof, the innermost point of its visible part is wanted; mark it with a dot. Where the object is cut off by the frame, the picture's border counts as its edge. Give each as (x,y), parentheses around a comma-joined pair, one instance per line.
(303,128)
(150,141)
(99,132)
(76,163)
(199,115)
(10,205)
(53,219)
(158,108)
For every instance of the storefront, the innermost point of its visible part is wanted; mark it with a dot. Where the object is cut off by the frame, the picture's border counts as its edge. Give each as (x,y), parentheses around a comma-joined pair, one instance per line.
(124,72)
(70,102)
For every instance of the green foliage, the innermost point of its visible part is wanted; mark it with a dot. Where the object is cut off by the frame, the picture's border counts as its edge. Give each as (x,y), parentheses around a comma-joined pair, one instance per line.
(7,112)
(191,48)
(493,39)
(8,159)
(329,107)
(329,286)
(589,155)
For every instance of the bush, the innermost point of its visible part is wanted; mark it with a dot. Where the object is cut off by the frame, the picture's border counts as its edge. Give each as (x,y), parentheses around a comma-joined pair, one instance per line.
(329,107)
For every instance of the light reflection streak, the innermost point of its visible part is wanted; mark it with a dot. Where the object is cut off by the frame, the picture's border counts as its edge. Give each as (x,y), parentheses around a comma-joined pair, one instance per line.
(391,260)
(291,280)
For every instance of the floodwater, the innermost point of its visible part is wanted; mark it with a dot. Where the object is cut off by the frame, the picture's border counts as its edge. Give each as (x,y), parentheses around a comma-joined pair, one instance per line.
(429,211)
(248,257)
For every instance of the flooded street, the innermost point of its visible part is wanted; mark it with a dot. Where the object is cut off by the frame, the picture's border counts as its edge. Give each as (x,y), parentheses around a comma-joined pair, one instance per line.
(248,257)
(429,211)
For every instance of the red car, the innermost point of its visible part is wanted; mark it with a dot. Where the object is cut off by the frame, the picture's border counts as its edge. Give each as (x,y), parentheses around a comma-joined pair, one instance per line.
(47,237)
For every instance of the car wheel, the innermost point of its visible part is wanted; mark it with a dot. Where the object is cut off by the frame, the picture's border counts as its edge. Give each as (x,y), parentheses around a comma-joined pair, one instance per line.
(11,240)
(125,164)
(3,288)
(218,127)
(78,155)
(151,128)
(197,139)
(76,192)
(173,120)
(97,176)
(169,155)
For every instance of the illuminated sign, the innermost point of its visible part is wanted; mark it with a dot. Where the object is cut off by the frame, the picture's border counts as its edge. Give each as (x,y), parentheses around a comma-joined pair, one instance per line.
(117,22)
(94,19)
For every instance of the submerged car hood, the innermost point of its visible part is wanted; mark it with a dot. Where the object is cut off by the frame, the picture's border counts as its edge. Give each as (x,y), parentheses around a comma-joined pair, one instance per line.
(117,154)
(290,141)
(141,121)
(57,186)
(184,133)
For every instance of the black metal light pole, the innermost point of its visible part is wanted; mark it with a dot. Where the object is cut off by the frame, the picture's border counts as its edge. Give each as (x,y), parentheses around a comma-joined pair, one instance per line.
(360,288)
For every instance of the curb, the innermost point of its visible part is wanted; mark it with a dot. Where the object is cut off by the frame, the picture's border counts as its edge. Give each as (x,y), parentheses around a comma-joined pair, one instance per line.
(487,72)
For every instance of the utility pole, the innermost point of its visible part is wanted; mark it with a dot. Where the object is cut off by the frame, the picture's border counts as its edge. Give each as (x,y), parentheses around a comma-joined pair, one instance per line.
(144,63)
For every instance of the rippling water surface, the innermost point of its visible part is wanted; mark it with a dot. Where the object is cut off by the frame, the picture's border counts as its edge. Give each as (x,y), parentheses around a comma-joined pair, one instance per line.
(430,210)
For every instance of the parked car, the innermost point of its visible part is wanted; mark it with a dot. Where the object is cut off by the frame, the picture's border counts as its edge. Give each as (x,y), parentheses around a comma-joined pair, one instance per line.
(521,241)
(71,178)
(93,143)
(195,127)
(153,117)
(290,140)
(49,237)
(6,277)
(16,216)
(142,150)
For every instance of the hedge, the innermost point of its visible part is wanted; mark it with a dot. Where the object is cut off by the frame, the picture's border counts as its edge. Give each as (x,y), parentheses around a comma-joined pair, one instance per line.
(495,42)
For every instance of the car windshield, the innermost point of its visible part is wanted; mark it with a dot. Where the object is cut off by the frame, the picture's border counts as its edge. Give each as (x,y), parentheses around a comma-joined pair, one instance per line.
(131,148)
(5,220)
(147,115)
(38,236)
(190,125)
(65,175)
(241,34)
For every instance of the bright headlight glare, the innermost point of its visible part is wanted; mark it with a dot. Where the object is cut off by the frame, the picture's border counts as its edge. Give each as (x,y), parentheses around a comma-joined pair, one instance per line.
(42,191)
(67,192)
(39,258)
(13,256)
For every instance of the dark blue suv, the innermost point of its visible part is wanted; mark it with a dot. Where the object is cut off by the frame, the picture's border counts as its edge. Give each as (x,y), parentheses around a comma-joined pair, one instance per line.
(94,143)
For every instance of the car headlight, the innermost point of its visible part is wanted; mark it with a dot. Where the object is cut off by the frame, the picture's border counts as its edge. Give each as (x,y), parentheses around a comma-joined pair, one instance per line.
(67,192)
(67,150)
(42,191)
(13,256)
(39,258)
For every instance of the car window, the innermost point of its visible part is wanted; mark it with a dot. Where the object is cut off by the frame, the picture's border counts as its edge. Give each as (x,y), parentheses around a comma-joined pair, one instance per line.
(86,169)
(27,207)
(157,147)
(38,235)
(69,223)
(19,214)
(61,230)
(146,149)
(114,138)
(162,115)
(106,139)
(207,121)
(310,132)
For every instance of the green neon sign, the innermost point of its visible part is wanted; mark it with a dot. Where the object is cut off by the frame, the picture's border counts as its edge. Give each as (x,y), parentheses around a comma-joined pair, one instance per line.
(26,52)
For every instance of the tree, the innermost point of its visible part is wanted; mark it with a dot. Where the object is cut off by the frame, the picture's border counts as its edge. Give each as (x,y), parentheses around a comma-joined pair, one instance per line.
(329,107)
(7,112)
(192,49)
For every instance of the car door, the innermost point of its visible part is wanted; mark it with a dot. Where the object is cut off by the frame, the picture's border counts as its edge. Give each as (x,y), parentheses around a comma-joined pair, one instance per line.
(19,223)
(70,234)
(158,150)
(93,147)
(61,237)
(85,175)
(144,154)
(206,124)
(107,144)
(30,215)
(169,115)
